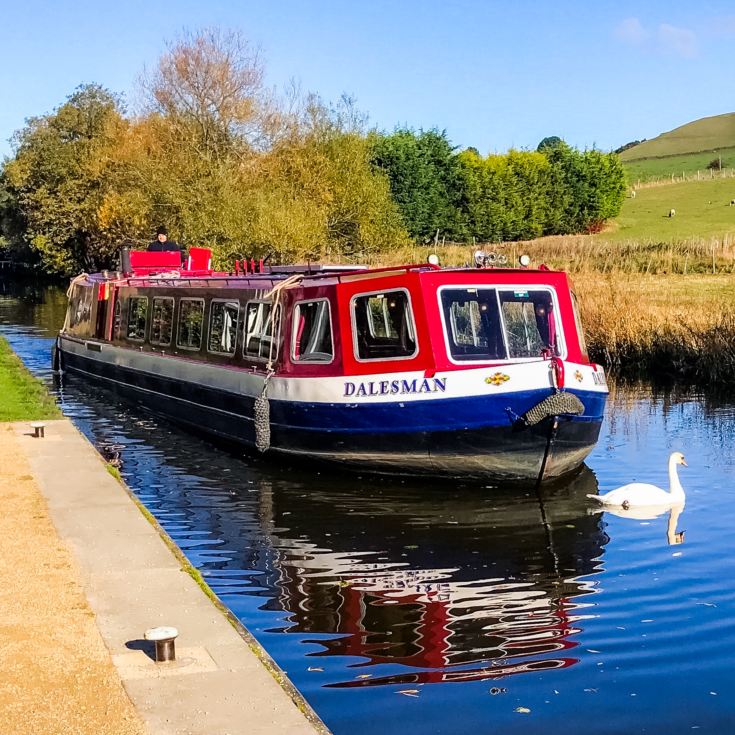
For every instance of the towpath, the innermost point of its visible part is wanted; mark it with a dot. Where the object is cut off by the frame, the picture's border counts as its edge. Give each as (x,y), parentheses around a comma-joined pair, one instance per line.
(84,575)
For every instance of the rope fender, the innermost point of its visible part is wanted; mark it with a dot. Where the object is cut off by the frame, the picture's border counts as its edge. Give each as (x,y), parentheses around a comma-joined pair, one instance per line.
(554,405)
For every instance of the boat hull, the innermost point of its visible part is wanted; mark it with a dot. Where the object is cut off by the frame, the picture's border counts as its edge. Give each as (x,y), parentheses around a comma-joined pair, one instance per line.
(472,437)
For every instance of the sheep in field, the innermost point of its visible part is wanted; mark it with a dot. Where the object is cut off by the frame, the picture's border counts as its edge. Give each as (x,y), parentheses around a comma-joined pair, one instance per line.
(672,212)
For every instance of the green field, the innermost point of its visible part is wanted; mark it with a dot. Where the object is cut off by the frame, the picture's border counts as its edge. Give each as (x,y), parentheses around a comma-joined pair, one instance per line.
(706,134)
(702,210)
(685,165)
(23,397)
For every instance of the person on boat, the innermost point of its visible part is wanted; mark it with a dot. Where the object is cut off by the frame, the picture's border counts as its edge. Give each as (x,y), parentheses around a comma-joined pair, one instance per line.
(162,242)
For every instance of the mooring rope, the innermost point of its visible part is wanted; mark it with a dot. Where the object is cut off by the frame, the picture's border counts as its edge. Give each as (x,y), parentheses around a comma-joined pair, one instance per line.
(261,409)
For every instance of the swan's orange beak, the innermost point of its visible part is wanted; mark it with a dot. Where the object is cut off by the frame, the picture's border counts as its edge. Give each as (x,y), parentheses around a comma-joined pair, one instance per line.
(683,461)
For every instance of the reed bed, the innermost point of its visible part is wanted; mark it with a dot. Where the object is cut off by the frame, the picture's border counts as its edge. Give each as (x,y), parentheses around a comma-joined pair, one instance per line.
(589,253)
(670,328)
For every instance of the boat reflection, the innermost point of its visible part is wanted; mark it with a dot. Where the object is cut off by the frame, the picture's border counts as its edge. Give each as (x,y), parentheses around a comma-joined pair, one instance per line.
(438,585)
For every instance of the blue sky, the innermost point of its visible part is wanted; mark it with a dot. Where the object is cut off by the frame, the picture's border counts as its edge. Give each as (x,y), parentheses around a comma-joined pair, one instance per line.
(493,74)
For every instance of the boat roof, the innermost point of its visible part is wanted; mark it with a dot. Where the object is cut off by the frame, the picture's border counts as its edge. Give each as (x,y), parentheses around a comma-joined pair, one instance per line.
(148,269)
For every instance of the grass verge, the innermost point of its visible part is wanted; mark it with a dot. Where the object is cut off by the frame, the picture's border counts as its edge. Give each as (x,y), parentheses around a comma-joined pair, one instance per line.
(22,397)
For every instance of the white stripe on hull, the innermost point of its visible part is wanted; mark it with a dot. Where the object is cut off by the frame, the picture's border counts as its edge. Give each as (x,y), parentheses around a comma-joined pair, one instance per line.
(402,387)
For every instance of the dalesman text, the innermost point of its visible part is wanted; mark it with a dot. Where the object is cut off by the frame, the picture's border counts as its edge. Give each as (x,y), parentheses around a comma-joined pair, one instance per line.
(396,387)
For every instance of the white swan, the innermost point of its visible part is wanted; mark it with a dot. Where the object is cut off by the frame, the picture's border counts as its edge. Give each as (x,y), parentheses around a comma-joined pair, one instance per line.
(639,494)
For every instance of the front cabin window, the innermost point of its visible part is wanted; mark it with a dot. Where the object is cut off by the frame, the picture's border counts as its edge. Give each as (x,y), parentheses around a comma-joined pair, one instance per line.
(260,331)
(162,321)
(382,326)
(137,318)
(191,318)
(312,332)
(223,327)
(485,324)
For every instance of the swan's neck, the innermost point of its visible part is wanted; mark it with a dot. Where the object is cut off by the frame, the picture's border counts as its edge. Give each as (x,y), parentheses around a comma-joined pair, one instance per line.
(675,488)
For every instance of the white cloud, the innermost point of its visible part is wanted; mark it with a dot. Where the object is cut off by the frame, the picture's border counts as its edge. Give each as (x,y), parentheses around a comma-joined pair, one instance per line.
(631,31)
(679,41)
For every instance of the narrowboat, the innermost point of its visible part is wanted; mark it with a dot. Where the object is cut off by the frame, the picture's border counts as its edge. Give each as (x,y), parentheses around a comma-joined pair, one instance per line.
(477,373)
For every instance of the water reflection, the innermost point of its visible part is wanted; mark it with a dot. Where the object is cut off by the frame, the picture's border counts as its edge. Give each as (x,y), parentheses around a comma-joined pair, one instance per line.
(507,597)
(646,513)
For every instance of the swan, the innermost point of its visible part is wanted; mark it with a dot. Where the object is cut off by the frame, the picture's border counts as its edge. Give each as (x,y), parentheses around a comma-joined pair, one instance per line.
(639,494)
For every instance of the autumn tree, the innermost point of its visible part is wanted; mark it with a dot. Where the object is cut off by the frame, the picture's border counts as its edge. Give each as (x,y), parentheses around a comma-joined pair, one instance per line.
(208,86)
(58,177)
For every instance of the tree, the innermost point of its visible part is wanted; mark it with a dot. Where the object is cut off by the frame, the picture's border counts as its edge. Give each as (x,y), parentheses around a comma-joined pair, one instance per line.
(552,141)
(209,86)
(425,180)
(58,177)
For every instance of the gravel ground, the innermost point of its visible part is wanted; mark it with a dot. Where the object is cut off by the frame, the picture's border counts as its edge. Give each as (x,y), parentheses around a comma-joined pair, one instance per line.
(56,675)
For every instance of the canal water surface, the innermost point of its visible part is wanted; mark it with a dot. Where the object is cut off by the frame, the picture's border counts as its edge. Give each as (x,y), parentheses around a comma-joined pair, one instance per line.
(396,607)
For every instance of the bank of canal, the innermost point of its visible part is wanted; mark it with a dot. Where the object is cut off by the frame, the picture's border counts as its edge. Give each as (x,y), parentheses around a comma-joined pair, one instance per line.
(446,609)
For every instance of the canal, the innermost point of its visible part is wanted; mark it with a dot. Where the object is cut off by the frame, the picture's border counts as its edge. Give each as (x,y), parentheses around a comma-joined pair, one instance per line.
(397,607)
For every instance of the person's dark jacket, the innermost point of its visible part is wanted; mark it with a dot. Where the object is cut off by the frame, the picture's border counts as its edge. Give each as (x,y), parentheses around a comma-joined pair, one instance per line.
(157,246)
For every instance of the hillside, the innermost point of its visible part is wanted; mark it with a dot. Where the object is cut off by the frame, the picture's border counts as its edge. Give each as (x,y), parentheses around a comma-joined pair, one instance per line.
(702,211)
(686,165)
(707,134)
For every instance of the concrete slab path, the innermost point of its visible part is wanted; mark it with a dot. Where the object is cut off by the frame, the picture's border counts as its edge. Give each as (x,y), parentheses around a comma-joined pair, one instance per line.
(223,682)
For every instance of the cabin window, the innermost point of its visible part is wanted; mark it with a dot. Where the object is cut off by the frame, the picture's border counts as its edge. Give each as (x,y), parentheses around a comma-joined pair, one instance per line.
(116,319)
(259,331)
(191,317)
(162,320)
(223,327)
(531,326)
(312,332)
(80,309)
(484,324)
(137,318)
(473,324)
(382,325)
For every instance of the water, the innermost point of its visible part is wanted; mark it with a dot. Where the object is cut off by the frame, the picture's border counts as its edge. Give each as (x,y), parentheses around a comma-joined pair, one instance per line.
(397,607)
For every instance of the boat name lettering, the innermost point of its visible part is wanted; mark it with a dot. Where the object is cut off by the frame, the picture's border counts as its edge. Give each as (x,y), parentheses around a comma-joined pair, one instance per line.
(396,387)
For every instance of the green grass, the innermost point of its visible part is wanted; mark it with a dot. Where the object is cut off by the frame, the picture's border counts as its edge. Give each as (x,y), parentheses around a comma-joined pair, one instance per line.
(22,397)
(687,164)
(702,211)
(705,134)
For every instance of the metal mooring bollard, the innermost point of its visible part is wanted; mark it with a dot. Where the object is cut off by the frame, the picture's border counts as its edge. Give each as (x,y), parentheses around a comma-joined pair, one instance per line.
(39,430)
(164,638)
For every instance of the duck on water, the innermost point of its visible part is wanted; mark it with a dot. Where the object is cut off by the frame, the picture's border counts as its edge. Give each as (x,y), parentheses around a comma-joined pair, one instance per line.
(477,373)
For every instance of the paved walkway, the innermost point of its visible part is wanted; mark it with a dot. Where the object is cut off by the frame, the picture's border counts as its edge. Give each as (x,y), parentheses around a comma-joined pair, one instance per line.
(133,582)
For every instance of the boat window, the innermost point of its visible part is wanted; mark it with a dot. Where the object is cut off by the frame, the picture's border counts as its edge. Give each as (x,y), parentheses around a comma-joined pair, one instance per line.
(473,325)
(312,332)
(382,326)
(191,316)
(530,322)
(223,326)
(162,320)
(578,324)
(259,331)
(80,309)
(137,317)
(117,318)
